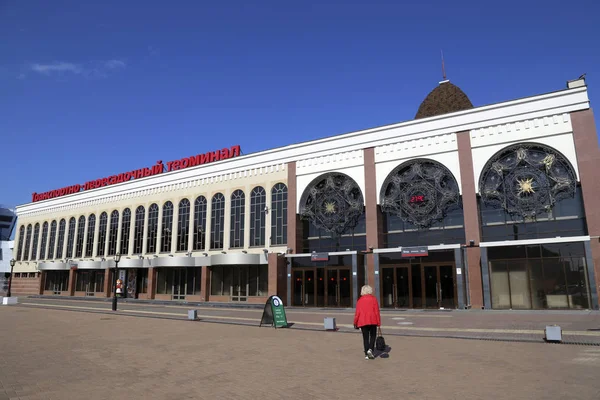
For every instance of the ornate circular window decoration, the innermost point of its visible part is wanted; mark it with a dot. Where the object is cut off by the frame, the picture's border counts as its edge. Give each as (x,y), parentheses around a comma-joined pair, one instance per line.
(527,179)
(420,192)
(333,202)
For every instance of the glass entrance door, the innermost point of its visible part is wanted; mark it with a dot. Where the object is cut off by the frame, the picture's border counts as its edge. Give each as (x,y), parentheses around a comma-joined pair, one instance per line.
(240,284)
(339,288)
(439,286)
(447,298)
(179,287)
(304,288)
(418,286)
(396,288)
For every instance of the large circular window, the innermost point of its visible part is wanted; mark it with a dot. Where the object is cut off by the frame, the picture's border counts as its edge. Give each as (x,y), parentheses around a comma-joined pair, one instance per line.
(333,202)
(527,179)
(420,192)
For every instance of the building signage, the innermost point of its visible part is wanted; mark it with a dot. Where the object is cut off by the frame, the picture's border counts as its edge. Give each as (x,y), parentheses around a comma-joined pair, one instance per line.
(319,257)
(274,313)
(419,251)
(156,169)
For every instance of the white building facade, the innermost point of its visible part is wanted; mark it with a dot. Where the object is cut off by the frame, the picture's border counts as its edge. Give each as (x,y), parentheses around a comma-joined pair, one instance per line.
(463,207)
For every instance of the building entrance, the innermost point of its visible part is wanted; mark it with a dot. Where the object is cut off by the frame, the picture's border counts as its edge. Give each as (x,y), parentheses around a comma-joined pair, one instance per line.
(418,286)
(322,287)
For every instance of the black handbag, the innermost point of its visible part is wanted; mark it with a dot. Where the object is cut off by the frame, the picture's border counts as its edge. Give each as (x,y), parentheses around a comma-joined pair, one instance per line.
(380,341)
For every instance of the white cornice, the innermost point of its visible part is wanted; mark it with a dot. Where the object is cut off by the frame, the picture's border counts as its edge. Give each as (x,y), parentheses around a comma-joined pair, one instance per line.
(564,101)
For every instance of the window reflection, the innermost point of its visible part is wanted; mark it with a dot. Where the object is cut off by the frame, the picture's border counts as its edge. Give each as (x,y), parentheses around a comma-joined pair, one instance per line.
(557,280)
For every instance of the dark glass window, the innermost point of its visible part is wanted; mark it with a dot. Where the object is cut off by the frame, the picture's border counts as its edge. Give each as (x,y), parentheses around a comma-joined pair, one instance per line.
(56,281)
(102,234)
(44,241)
(89,248)
(258,216)
(183,225)
(138,235)
(238,207)
(400,232)
(152,228)
(113,232)
(566,218)
(217,221)
(279,198)
(34,246)
(316,239)
(90,281)
(200,223)
(539,276)
(80,234)
(21,243)
(52,240)
(125,229)
(71,237)
(224,280)
(27,243)
(61,238)
(167,227)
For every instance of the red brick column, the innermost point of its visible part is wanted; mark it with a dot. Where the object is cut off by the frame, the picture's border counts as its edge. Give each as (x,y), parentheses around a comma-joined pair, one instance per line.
(472,230)
(205,283)
(42,275)
(588,160)
(72,278)
(152,283)
(108,284)
(373,217)
(294,227)
(272,284)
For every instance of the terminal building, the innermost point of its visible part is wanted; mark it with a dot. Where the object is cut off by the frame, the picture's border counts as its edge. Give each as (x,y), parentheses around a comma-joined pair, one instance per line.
(462,207)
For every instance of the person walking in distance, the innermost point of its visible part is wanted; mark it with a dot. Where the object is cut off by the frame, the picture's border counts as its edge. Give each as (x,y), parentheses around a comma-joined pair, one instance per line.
(367,318)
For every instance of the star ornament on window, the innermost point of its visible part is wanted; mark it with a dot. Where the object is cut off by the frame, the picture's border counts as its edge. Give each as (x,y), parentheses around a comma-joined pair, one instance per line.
(330,208)
(525,186)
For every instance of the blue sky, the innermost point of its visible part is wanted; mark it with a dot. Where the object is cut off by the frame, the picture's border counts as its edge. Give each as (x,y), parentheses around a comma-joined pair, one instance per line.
(90,88)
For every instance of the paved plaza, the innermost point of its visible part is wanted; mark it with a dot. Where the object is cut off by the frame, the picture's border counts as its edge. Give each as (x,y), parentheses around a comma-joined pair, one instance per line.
(51,353)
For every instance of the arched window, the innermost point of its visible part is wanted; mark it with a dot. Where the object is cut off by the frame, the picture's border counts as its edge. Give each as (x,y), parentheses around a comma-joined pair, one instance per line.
(279,197)
(113,232)
(52,240)
(258,216)
(21,243)
(217,221)
(44,241)
(36,236)
(152,228)
(200,222)
(71,238)
(102,234)
(183,223)
(80,234)
(238,207)
(125,229)
(61,238)
(138,234)
(89,247)
(167,228)
(27,243)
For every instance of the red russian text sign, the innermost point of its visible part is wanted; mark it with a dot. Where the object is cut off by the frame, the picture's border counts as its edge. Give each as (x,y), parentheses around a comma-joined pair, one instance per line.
(156,169)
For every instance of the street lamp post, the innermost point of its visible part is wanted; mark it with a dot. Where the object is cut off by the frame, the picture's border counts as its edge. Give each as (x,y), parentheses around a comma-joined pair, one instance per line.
(114,302)
(12,265)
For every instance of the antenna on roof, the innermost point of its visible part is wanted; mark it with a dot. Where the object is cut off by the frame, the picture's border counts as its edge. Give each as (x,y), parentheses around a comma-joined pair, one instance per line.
(443,66)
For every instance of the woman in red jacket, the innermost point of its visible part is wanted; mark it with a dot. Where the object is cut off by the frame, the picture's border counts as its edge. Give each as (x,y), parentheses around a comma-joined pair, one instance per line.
(367,318)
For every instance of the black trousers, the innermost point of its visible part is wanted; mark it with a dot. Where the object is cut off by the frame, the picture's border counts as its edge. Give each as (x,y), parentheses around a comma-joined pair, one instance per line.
(369,335)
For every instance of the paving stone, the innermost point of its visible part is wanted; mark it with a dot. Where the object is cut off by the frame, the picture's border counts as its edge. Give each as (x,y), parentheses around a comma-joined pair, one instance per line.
(59,354)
